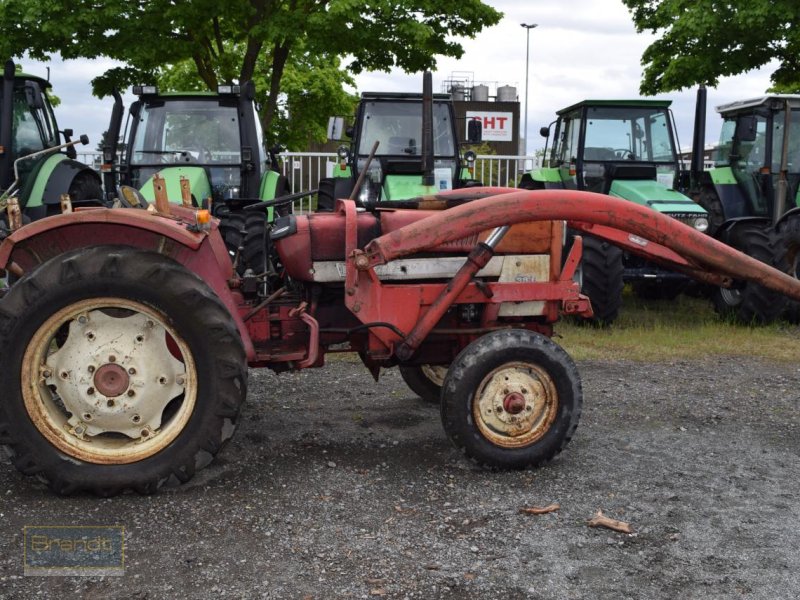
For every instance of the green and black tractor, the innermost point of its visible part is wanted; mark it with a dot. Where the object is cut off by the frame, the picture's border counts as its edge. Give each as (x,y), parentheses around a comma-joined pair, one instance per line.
(752,195)
(36,166)
(625,149)
(404,145)
(211,139)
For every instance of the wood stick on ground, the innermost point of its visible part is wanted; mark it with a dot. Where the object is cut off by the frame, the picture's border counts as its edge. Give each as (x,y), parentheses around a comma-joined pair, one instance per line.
(600,520)
(540,510)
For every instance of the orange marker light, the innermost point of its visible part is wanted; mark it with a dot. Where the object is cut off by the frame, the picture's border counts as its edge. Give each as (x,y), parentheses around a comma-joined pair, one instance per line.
(203,217)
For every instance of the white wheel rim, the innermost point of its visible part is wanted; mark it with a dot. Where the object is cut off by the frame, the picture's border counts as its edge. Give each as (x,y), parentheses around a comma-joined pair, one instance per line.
(436,373)
(101,393)
(515,405)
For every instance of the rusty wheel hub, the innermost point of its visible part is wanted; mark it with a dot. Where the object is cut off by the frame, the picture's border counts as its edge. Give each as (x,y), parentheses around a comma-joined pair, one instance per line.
(107,381)
(111,380)
(515,405)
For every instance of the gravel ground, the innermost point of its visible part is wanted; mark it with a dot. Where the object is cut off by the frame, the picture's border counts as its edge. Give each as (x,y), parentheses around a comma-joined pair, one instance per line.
(339,487)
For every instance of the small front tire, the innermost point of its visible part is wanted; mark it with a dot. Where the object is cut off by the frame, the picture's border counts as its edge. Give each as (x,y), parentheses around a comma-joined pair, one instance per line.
(511,399)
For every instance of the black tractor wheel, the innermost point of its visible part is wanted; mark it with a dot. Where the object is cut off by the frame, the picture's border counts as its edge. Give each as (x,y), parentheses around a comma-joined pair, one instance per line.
(425,380)
(748,302)
(511,399)
(789,252)
(121,370)
(86,189)
(601,280)
(245,233)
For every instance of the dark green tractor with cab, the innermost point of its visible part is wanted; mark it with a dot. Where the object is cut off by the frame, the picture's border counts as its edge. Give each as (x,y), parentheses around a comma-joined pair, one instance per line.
(211,139)
(38,162)
(625,149)
(404,145)
(752,195)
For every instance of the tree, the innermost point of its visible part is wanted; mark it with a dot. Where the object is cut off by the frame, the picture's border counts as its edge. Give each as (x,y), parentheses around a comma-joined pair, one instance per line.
(703,40)
(291,46)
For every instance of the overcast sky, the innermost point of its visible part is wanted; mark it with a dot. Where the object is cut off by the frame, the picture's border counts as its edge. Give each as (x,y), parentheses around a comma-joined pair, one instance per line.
(580,49)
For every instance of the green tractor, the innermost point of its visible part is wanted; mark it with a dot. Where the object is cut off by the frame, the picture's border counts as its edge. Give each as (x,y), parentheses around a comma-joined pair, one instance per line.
(752,195)
(214,142)
(33,167)
(625,149)
(404,145)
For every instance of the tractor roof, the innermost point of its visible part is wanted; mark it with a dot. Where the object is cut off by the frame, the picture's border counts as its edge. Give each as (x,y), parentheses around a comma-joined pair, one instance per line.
(43,83)
(638,103)
(399,96)
(775,101)
(162,95)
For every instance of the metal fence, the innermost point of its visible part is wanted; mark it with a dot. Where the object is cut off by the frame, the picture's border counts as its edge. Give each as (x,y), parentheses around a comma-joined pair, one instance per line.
(303,170)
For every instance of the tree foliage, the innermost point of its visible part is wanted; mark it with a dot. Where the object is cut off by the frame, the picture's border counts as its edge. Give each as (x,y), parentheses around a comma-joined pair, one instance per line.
(703,40)
(291,48)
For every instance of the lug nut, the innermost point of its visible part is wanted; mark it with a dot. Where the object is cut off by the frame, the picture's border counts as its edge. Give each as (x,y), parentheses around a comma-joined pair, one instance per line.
(131,393)
(46,374)
(180,380)
(131,371)
(90,391)
(110,402)
(145,433)
(82,319)
(112,358)
(91,369)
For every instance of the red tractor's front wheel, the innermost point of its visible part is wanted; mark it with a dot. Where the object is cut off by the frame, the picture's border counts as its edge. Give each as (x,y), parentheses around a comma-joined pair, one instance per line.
(511,399)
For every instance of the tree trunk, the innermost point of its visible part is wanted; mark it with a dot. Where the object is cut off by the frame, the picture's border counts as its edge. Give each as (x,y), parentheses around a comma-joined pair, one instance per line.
(279,56)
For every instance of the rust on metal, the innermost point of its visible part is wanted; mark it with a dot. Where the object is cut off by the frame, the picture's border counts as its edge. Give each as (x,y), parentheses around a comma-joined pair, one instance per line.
(111,380)
(697,252)
(160,191)
(186,193)
(66,204)
(14,214)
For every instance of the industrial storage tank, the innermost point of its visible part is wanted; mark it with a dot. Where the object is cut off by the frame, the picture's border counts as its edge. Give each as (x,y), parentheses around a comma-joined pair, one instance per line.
(480,93)
(506,93)
(457,92)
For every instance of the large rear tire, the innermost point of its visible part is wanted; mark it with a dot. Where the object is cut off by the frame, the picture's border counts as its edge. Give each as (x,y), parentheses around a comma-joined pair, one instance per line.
(748,302)
(245,233)
(511,399)
(121,370)
(789,251)
(602,279)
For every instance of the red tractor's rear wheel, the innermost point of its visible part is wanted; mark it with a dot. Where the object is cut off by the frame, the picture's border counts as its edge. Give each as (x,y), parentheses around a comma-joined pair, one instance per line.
(122,370)
(511,399)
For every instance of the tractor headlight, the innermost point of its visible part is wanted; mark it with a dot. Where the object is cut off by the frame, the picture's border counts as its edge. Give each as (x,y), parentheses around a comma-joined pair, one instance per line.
(701,224)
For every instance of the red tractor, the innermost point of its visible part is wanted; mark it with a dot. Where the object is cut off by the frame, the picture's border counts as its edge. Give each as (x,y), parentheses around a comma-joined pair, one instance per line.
(126,336)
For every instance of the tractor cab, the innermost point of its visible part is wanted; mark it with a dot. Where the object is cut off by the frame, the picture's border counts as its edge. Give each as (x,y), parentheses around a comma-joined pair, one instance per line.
(624,149)
(405,145)
(213,140)
(32,166)
(759,140)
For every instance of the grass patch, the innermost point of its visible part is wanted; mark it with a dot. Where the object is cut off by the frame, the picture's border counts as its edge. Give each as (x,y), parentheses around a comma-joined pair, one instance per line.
(685,328)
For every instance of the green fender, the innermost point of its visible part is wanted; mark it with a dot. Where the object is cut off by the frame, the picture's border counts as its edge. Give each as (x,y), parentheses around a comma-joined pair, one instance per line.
(198,184)
(546,175)
(32,191)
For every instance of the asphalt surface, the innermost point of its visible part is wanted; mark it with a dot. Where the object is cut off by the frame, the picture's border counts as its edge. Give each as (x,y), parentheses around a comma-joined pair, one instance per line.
(339,487)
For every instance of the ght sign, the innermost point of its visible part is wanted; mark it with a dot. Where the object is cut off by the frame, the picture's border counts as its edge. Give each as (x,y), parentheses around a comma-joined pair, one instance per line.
(497,126)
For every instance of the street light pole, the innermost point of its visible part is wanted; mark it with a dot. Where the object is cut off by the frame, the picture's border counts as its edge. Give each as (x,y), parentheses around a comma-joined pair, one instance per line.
(528,28)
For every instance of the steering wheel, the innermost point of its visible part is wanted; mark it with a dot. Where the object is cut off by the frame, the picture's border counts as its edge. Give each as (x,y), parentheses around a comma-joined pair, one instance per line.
(624,153)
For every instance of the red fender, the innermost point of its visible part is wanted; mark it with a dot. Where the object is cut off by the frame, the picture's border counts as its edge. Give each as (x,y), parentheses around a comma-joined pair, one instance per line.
(203,253)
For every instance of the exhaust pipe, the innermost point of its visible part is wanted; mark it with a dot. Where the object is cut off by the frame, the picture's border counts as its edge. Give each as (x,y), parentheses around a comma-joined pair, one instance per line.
(698,140)
(427,129)
(7,112)
(110,146)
